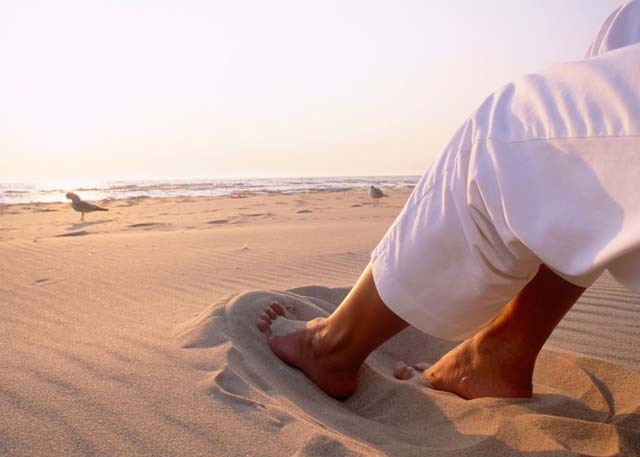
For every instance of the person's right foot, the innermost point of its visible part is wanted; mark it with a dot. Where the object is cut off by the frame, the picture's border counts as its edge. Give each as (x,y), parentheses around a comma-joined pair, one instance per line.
(305,345)
(478,367)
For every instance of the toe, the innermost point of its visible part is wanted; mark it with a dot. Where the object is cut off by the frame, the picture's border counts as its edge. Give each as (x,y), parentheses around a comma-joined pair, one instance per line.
(264,327)
(277,308)
(403,371)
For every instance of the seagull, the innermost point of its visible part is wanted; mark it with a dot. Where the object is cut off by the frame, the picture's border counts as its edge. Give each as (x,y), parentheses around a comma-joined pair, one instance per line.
(81,206)
(376,194)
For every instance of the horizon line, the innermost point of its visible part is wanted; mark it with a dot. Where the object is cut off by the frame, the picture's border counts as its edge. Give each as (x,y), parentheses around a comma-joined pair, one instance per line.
(198,178)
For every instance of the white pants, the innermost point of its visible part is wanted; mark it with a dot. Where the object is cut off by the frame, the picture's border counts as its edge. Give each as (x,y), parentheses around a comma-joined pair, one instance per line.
(545,171)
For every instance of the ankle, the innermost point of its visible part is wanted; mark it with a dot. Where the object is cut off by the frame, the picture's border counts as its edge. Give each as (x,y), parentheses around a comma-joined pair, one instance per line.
(514,332)
(512,349)
(337,343)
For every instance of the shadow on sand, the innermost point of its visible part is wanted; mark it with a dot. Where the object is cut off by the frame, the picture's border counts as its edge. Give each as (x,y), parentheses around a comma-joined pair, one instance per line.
(82,225)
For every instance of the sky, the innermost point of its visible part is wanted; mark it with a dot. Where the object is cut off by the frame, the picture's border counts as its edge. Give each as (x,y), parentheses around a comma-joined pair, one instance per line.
(153,89)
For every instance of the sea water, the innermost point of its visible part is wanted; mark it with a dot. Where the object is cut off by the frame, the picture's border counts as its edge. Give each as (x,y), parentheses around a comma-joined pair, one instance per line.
(14,193)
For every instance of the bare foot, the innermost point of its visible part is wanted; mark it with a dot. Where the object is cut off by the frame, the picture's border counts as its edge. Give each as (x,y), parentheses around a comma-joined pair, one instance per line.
(308,346)
(478,367)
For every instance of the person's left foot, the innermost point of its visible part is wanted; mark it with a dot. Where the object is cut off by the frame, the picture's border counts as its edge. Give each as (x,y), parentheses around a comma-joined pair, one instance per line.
(305,345)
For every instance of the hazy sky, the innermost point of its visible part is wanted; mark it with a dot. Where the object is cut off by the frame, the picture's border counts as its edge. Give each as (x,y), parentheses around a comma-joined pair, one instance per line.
(155,89)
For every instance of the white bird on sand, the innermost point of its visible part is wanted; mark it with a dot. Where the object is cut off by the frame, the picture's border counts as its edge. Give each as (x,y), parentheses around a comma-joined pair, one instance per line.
(376,194)
(82,206)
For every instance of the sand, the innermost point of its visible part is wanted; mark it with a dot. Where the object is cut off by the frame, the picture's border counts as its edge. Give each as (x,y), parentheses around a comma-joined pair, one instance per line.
(134,334)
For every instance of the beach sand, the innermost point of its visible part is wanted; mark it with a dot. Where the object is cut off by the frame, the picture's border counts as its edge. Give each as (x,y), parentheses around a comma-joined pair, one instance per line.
(134,334)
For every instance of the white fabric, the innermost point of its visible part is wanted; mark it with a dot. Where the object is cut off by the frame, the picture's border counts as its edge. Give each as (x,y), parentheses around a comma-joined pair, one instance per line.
(545,171)
(621,28)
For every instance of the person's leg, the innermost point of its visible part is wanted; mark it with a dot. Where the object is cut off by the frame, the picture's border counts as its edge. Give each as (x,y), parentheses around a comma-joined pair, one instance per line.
(331,351)
(498,361)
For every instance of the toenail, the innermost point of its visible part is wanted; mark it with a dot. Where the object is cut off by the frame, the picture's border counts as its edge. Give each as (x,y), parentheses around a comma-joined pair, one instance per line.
(277,308)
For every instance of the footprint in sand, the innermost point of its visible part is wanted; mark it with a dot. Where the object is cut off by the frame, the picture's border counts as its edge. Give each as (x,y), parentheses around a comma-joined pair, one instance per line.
(44,281)
(78,233)
(145,224)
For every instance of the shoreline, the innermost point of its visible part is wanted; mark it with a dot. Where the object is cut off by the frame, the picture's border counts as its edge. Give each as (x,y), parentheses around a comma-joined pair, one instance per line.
(234,195)
(123,190)
(170,214)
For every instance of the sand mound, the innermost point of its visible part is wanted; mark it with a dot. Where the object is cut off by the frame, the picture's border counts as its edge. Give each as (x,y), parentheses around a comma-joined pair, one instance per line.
(580,406)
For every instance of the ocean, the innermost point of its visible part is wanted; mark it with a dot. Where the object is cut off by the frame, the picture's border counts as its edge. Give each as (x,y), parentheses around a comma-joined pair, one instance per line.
(15,193)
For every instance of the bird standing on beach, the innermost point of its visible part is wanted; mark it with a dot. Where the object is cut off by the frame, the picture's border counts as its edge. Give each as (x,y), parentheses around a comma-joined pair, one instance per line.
(82,206)
(376,194)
